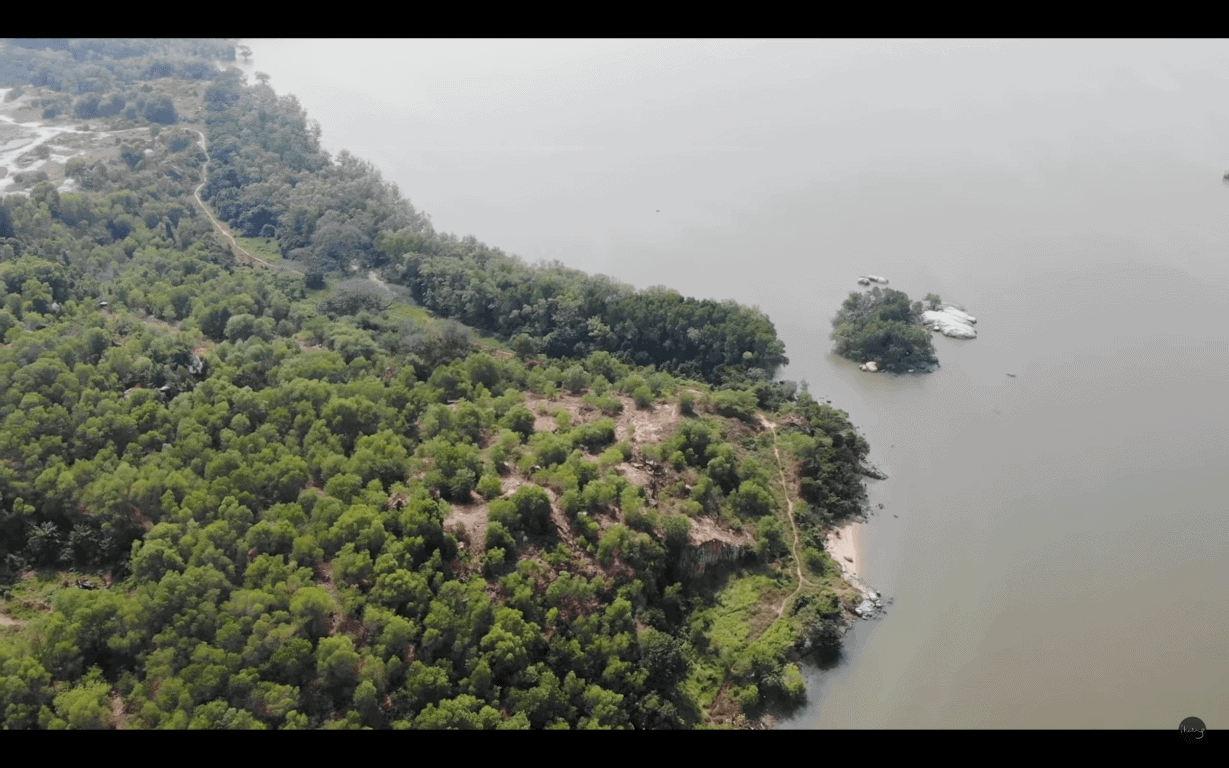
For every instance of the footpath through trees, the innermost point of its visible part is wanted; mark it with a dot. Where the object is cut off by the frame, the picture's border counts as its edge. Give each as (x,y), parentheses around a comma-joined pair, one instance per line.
(216,224)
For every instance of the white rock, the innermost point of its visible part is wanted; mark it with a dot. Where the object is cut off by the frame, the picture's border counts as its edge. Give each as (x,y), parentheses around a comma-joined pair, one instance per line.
(871,366)
(949,324)
(960,315)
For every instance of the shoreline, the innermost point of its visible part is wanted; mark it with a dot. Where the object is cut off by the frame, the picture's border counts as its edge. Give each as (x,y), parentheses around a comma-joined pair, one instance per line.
(844,544)
(841,542)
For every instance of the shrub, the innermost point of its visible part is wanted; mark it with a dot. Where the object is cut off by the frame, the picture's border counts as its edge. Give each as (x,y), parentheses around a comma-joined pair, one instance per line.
(632,499)
(161,110)
(816,561)
(493,562)
(520,420)
(533,509)
(572,502)
(735,403)
(575,380)
(609,405)
(596,435)
(747,695)
(498,536)
(752,500)
(506,448)
(771,543)
(611,456)
(490,486)
(793,685)
(461,484)
(549,449)
(677,531)
(354,296)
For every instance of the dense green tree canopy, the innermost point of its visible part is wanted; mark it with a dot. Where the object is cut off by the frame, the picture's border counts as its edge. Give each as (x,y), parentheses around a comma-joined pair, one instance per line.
(230,499)
(881,325)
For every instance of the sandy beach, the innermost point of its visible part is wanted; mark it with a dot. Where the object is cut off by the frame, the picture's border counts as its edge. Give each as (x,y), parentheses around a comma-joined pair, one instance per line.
(845,546)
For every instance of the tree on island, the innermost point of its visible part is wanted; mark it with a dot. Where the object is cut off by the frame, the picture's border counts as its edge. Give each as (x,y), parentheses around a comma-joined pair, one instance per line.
(883,326)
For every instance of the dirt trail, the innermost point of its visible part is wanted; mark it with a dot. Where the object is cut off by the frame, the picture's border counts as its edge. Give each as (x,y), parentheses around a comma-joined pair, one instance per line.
(373,277)
(119,718)
(216,225)
(723,694)
(802,581)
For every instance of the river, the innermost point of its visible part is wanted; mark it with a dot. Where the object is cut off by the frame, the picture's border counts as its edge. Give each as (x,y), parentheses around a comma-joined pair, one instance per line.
(1055,542)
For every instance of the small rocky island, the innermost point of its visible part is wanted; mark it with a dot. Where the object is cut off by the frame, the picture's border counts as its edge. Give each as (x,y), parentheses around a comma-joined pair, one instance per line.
(883,330)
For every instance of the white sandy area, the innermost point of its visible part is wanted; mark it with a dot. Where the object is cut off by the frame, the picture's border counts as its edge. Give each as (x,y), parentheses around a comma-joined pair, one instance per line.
(18,138)
(844,544)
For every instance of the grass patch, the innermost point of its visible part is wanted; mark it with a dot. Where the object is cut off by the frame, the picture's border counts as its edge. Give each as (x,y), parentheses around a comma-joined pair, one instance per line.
(30,598)
(742,609)
(401,310)
(260,248)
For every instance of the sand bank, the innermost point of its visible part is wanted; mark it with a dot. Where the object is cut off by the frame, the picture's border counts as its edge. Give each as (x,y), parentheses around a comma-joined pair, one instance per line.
(845,547)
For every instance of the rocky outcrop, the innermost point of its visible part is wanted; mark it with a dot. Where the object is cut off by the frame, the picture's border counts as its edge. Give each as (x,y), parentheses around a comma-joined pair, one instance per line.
(870,606)
(950,321)
(697,558)
(870,470)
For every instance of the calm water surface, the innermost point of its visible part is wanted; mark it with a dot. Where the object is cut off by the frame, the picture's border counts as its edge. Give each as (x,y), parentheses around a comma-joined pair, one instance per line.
(1059,555)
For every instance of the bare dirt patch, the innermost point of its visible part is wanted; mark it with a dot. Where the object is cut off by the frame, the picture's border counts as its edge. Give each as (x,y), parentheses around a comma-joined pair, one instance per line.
(545,423)
(706,529)
(582,413)
(651,425)
(119,715)
(6,621)
(324,578)
(765,613)
(304,345)
(475,518)
(635,475)
(724,710)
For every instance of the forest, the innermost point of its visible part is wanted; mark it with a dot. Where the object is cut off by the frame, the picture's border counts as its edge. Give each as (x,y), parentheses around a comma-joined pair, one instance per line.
(485,495)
